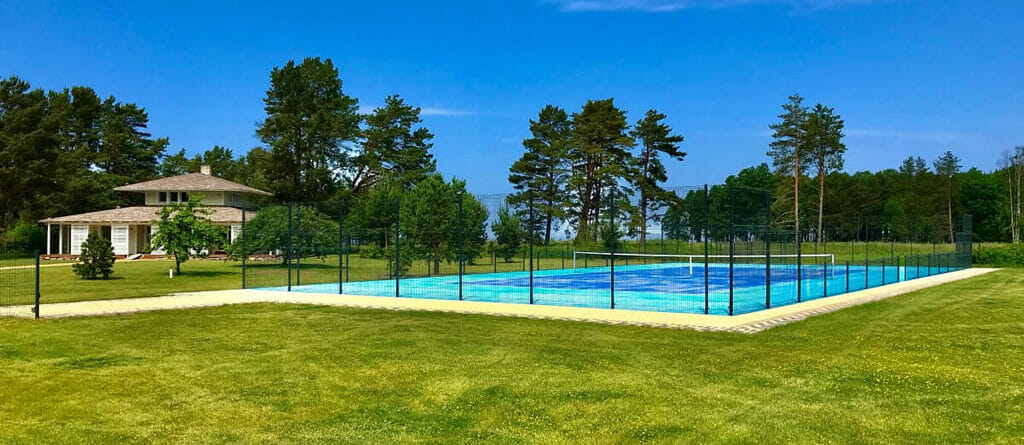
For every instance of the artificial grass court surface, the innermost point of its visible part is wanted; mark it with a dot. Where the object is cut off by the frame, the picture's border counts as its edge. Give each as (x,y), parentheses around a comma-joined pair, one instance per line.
(945,364)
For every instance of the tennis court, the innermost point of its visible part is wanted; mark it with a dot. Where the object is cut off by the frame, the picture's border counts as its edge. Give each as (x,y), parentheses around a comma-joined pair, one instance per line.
(682,285)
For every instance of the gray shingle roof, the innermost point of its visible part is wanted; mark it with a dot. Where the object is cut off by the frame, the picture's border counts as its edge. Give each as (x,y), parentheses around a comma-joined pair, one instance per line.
(140,215)
(192,182)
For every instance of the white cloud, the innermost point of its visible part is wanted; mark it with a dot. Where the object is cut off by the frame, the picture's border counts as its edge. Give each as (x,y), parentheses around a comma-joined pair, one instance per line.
(676,5)
(439,111)
(424,111)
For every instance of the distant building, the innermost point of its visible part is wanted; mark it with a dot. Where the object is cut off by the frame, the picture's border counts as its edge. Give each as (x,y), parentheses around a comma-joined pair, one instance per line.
(129,229)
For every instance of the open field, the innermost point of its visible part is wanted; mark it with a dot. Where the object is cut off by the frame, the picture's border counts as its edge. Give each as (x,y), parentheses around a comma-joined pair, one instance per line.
(938,365)
(149,278)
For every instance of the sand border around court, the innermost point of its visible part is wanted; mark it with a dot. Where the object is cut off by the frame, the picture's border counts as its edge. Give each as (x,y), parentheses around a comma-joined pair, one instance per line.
(745,323)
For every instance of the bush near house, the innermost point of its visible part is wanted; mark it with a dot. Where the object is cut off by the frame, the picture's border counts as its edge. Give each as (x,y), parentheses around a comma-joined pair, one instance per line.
(97,258)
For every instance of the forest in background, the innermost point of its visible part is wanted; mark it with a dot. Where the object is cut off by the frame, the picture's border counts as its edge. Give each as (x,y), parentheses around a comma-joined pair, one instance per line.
(63,152)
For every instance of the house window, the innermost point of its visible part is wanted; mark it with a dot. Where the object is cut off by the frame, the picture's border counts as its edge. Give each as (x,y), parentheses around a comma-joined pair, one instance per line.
(174,196)
(184,196)
(162,197)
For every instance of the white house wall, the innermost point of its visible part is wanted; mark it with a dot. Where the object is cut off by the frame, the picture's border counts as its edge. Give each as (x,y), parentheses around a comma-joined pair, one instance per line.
(79,232)
(119,238)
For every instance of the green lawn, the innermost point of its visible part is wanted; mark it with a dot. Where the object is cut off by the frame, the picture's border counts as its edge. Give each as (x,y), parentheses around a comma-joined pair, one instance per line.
(940,365)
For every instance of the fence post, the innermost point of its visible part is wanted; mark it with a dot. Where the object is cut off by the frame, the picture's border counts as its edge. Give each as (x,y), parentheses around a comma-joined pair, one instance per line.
(36,309)
(341,249)
(288,256)
(530,235)
(732,248)
(614,243)
(460,253)
(799,264)
(245,251)
(883,271)
(398,245)
(767,250)
(707,231)
(867,282)
(824,277)
(847,276)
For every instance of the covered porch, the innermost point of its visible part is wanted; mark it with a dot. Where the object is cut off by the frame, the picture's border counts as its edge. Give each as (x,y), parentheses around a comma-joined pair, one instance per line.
(129,229)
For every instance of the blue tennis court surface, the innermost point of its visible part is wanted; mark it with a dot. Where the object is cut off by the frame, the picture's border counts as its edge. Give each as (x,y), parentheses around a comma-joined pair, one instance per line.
(669,287)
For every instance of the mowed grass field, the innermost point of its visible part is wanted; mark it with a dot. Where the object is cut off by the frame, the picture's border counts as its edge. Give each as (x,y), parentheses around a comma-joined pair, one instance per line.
(148,278)
(941,365)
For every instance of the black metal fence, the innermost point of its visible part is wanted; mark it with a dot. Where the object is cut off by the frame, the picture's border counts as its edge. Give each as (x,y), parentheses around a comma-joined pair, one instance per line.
(704,249)
(19,283)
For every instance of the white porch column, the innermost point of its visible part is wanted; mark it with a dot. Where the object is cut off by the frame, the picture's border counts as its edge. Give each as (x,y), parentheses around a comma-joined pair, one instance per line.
(234,233)
(119,238)
(60,239)
(49,238)
(79,232)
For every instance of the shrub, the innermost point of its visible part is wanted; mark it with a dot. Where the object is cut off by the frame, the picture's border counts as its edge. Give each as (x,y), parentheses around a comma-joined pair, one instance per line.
(25,236)
(999,255)
(96,259)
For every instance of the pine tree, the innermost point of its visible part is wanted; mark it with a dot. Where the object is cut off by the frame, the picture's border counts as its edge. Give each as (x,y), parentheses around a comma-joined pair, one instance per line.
(541,172)
(655,139)
(599,157)
(947,167)
(309,118)
(393,146)
(823,131)
(787,141)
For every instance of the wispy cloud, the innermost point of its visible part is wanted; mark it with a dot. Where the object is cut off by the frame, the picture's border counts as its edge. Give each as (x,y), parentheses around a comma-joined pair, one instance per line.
(676,5)
(440,111)
(424,111)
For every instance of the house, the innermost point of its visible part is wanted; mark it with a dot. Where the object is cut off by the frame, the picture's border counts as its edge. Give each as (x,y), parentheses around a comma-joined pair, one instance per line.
(129,229)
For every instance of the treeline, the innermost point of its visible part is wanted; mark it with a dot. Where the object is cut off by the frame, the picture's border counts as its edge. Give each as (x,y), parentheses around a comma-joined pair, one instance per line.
(64,151)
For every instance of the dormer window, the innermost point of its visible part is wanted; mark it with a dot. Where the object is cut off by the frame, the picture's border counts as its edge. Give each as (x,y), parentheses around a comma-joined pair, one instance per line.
(162,197)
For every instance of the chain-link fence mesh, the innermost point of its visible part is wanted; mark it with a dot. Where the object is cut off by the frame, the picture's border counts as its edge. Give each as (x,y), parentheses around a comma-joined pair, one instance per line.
(704,249)
(19,283)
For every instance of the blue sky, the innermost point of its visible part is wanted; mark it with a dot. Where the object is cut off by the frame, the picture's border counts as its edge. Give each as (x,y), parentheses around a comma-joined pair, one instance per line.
(909,76)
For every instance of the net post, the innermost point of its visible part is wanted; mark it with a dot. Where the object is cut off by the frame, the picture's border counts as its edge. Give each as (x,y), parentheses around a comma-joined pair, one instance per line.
(37,294)
(245,252)
(298,252)
(707,291)
(460,253)
(398,246)
(288,257)
(732,248)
